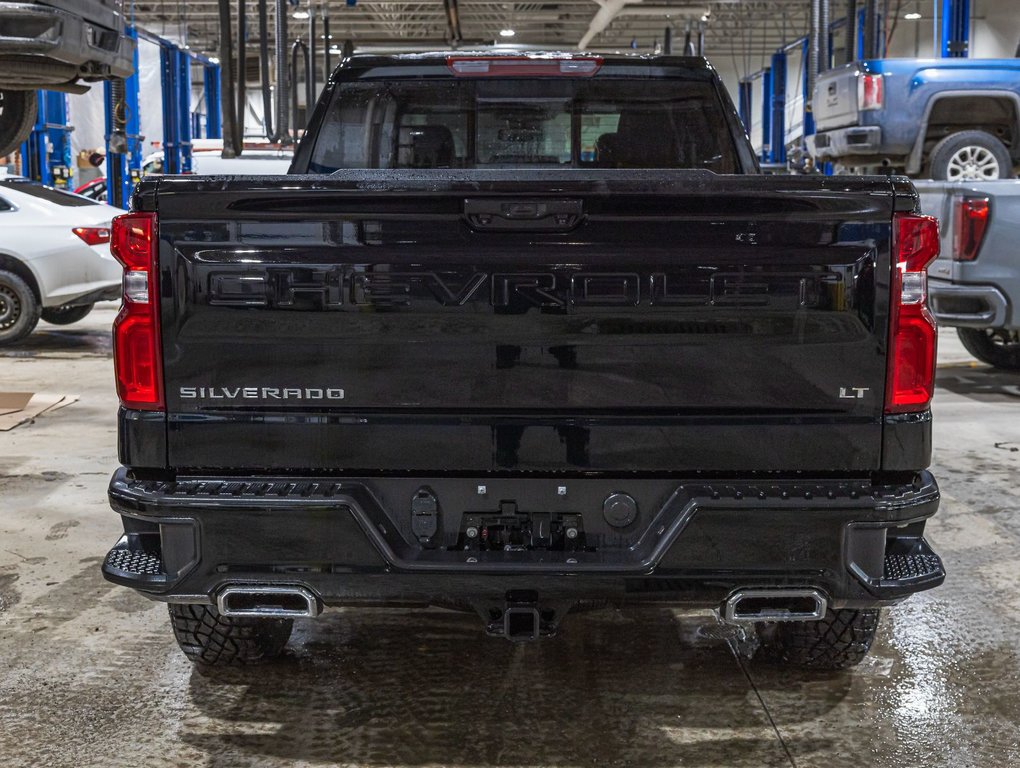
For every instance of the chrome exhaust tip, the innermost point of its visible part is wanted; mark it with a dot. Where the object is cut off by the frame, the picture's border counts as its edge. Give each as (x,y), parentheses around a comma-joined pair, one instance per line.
(774,605)
(268,601)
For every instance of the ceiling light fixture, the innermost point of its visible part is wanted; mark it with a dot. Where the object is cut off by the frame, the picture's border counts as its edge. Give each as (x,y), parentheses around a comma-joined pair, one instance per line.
(507,32)
(300,14)
(912,16)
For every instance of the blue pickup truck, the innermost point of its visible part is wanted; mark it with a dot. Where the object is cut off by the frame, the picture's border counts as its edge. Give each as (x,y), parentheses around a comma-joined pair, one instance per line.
(950,119)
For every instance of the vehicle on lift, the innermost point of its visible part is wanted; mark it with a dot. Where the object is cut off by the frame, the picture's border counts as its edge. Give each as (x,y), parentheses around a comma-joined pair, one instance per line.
(537,335)
(952,119)
(974,285)
(56,45)
(55,260)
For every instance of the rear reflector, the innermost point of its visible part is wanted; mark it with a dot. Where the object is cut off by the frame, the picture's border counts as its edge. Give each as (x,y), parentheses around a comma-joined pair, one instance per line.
(521,66)
(136,349)
(870,92)
(971,221)
(910,379)
(93,235)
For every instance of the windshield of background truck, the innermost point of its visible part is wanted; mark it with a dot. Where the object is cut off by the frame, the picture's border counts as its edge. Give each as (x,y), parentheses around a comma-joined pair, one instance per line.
(514,123)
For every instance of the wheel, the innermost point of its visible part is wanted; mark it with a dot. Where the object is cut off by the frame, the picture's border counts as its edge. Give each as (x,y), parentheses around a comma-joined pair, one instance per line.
(17,117)
(994,346)
(19,310)
(66,315)
(212,640)
(970,156)
(840,640)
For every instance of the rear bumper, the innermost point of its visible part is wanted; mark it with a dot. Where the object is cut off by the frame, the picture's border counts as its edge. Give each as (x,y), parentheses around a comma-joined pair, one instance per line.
(353,540)
(968,306)
(841,142)
(33,31)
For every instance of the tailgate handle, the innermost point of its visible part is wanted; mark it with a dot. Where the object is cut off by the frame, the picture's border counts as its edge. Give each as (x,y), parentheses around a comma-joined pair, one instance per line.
(516,215)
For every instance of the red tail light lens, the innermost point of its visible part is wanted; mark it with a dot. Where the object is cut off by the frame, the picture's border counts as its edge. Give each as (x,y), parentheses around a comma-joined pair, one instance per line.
(910,380)
(93,235)
(522,66)
(972,214)
(870,92)
(136,348)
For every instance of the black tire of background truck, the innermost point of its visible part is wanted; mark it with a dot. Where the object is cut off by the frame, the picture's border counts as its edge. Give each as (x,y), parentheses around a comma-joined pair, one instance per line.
(998,348)
(66,315)
(943,152)
(212,640)
(17,118)
(838,641)
(19,310)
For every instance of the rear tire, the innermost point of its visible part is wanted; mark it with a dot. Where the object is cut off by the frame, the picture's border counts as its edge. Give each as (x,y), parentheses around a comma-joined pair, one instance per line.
(66,315)
(210,639)
(19,310)
(970,156)
(996,347)
(17,118)
(838,641)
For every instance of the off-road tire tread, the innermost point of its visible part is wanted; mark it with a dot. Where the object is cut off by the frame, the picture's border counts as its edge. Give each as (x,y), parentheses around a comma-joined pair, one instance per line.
(212,640)
(976,341)
(839,641)
(13,130)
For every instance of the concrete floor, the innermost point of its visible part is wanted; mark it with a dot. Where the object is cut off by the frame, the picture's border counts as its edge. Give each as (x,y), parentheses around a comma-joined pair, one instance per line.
(90,674)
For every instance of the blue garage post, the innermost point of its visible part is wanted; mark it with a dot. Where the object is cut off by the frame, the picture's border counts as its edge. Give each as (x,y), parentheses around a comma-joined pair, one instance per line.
(123,168)
(809,119)
(175,77)
(955,28)
(213,121)
(46,155)
(777,152)
(766,115)
(744,103)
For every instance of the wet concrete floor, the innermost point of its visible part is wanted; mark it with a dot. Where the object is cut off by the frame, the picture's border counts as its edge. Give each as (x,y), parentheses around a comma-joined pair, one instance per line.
(90,674)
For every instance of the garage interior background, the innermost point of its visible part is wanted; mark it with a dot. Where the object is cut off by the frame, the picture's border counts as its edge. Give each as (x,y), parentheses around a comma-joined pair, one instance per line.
(175,99)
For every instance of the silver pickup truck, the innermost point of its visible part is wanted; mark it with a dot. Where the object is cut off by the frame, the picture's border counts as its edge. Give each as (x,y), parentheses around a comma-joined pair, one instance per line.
(974,285)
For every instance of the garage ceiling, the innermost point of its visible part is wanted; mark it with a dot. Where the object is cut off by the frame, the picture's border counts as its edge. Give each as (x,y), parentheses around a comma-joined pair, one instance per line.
(737,28)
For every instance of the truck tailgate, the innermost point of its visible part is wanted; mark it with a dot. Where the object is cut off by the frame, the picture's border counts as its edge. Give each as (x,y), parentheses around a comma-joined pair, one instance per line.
(614,320)
(835,98)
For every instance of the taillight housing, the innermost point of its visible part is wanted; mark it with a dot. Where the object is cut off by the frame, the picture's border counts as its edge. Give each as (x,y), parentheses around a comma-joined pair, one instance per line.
(93,235)
(910,378)
(870,92)
(971,216)
(136,346)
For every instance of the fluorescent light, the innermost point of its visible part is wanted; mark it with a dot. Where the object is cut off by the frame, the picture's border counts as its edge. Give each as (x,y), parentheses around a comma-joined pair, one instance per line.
(214,60)
(300,15)
(507,32)
(912,16)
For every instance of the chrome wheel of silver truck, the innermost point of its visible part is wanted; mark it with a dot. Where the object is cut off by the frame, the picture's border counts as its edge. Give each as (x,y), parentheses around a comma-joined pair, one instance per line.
(970,156)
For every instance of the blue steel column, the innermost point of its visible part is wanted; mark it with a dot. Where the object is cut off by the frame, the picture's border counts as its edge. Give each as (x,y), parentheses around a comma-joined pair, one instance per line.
(184,110)
(809,119)
(128,164)
(778,127)
(955,28)
(744,103)
(168,79)
(213,121)
(766,115)
(46,155)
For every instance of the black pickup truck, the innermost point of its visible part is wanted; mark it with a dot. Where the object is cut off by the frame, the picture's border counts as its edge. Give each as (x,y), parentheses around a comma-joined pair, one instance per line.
(525,335)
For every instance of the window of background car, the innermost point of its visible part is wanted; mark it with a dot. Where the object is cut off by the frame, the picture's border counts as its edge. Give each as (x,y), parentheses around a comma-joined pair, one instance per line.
(49,194)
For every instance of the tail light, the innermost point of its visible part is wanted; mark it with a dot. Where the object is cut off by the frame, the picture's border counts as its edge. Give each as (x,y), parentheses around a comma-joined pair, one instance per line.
(910,379)
(93,235)
(136,350)
(870,92)
(971,220)
(522,66)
